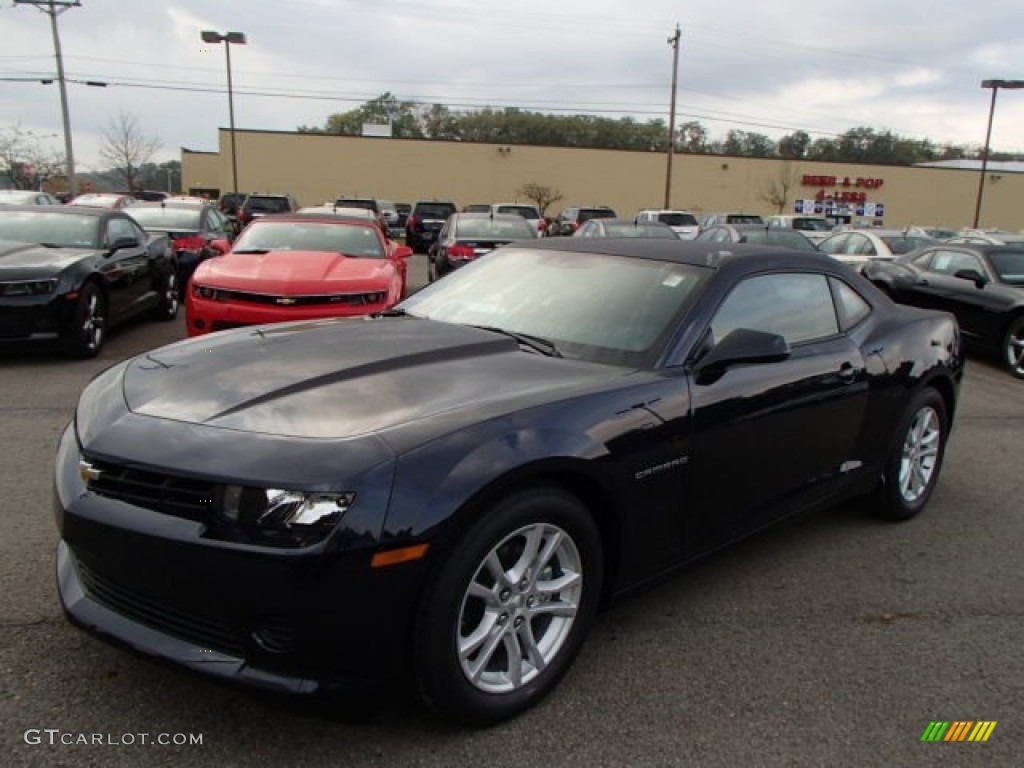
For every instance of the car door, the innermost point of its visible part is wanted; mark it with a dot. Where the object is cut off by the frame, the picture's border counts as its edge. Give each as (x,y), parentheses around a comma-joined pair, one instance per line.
(772,437)
(978,308)
(127,270)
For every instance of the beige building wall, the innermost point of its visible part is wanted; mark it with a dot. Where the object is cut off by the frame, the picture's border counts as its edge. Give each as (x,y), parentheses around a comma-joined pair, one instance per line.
(316,168)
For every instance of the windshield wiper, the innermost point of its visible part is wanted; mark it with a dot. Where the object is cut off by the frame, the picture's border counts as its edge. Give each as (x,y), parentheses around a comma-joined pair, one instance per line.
(253,250)
(536,343)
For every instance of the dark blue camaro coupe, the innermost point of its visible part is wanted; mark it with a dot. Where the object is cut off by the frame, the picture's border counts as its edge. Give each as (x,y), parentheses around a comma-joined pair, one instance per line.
(451,490)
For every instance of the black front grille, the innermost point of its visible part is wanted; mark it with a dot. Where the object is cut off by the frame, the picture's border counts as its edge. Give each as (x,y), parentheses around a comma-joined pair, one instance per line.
(205,633)
(178,496)
(227,325)
(343,299)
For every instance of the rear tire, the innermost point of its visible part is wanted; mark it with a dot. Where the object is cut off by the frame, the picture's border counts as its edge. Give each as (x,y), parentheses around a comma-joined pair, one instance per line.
(509,607)
(912,467)
(170,300)
(1013,347)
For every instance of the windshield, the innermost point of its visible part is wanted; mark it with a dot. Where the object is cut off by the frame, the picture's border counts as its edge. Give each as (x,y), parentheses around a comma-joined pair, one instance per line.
(776,237)
(166,218)
(433,211)
(586,214)
(678,219)
(63,229)
(256,204)
(743,218)
(1009,265)
(526,211)
(639,230)
(907,244)
(596,307)
(332,237)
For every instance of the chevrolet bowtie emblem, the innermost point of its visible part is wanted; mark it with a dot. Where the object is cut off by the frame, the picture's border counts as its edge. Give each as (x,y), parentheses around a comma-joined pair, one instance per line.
(285,300)
(88,472)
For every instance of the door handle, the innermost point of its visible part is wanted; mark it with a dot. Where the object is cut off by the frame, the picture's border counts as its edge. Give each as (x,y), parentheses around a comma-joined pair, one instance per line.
(921,281)
(847,373)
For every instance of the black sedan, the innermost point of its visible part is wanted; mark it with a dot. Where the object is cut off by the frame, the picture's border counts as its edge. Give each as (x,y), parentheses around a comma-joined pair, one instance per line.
(452,490)
(757,234)
(983,285)
(197,231)
(468,236)
(70,273)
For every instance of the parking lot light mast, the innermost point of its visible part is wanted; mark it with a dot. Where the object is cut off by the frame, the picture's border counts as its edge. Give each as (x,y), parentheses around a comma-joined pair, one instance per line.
(995,85)
(54,8)
(238,38)
(674,42)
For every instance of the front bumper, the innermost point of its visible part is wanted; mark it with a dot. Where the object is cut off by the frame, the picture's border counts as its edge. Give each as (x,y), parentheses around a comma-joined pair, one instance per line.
(35,317)
(206,316)
(311,620)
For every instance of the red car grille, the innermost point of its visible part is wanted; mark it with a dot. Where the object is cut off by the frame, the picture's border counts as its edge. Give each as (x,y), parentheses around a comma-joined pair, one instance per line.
(347,299)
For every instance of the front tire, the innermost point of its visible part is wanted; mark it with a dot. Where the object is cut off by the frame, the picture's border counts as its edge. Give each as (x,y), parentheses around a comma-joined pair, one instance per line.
(509,607)
(1013,347)
(913,466)
(85,337)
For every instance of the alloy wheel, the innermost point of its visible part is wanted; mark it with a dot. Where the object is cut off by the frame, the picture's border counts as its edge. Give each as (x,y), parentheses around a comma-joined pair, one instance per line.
(1015,350)
(92,322)
(519,608)
(920,454)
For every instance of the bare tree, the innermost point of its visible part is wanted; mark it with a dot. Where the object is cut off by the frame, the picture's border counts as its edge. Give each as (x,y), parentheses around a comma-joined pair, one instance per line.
(125,149)
(541,194)
(776,192)
(25,161)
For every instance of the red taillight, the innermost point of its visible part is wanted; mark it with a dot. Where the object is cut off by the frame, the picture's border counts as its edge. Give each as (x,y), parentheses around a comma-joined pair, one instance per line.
(194,243)
(411,222)
(542,225)
(461,252)
(576,225)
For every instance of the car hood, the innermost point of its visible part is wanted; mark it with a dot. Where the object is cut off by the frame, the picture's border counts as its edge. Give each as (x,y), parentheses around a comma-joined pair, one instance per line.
(26,261)
(345,378)
(293,271)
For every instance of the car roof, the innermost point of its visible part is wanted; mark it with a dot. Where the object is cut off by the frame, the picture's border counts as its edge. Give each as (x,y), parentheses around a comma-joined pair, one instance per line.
(81,210)
(319,218)
(186,205)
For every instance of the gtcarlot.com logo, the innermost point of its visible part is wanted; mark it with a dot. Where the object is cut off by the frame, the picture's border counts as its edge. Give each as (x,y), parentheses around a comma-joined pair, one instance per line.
(958,730)
(57,737)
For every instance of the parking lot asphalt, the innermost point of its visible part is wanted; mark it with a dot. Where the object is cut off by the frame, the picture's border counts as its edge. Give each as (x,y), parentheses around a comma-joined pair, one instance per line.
(831,640)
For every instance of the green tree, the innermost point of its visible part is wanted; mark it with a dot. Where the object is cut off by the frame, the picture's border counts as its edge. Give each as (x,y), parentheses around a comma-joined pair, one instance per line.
(794,146)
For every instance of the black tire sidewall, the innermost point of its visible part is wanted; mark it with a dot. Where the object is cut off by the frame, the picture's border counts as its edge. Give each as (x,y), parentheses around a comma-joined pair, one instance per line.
(891,504)
(439,674)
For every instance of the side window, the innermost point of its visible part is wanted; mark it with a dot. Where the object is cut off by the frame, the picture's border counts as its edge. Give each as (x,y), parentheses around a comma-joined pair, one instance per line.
(923,260)
(118,228)
(722,236)
(798,307)
(950,262)
(851,305)
(855,245)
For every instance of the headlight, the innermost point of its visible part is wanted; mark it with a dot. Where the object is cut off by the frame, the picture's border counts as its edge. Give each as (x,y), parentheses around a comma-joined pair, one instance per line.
(205,292)
(29,287)
(272,508)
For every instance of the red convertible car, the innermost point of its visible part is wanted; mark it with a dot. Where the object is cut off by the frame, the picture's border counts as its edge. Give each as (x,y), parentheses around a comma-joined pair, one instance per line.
(297,267)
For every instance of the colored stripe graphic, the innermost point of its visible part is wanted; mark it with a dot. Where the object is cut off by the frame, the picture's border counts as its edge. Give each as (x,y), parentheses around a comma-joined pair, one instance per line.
(958,730)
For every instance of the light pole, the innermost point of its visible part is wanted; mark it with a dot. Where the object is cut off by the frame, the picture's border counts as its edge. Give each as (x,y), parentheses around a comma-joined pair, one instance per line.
(674,42)
(54,8)
(995,85)
(209,36)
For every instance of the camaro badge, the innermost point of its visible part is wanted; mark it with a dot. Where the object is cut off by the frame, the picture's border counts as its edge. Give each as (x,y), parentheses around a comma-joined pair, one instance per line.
(285,300)
(88,472)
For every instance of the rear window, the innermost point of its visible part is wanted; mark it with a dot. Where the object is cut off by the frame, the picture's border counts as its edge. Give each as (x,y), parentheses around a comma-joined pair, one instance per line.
(586,214)
(369,205)
(812,225)
(493,228)
(677,219)
(267,204)
(434,210)
(743,218)
(166,218)
(526,211)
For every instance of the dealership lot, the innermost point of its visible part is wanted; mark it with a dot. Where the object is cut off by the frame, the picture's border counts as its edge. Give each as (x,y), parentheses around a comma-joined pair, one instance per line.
(834,640)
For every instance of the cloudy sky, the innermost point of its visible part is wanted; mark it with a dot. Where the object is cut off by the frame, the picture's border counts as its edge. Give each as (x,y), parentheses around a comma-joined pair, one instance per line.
(910,66)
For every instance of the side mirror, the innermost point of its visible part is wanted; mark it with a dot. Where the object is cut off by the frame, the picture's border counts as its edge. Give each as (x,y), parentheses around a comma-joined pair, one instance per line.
(403,252)
(220,246)
(979,280)
(124,242)
(745,345)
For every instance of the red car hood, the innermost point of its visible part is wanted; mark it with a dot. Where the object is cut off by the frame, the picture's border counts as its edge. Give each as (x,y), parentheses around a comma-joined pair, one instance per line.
(296,272)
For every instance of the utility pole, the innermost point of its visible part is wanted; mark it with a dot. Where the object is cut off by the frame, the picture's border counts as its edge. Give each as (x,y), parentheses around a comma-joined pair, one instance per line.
(674,42)
(54,8)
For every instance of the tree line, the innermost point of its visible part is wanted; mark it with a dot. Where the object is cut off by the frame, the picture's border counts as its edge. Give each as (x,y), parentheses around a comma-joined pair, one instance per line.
(510,125)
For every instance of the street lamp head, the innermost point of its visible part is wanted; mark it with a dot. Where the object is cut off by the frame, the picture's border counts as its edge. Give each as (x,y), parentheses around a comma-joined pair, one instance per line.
(209,36)
(1008,84)
(238,38)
